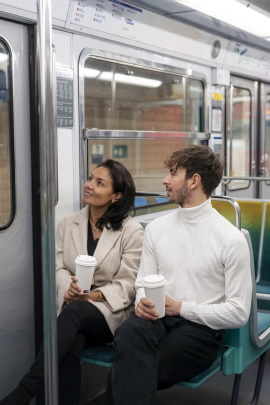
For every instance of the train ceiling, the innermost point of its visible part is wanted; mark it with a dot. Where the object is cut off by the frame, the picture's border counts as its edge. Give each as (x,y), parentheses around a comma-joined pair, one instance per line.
(181,12)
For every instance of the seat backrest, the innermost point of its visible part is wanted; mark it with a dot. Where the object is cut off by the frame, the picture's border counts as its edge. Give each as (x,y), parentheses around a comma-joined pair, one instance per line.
(259,336)
(161,199)
(265,259)
(253,322)
(140,201)
(252,215)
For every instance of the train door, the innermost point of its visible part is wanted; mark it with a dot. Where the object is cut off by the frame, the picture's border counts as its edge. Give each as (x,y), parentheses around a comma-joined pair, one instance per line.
(264,169)
(241,137)
(16,258)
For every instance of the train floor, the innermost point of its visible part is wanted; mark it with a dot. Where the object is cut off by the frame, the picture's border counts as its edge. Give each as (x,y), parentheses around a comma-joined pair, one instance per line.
(217,390)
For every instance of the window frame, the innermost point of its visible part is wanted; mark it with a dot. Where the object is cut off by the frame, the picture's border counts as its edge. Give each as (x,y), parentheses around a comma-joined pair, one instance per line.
(11,138)
(236,185)
(85,134)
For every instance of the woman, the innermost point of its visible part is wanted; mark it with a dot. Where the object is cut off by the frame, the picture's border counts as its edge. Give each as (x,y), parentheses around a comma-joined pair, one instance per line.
(102,229)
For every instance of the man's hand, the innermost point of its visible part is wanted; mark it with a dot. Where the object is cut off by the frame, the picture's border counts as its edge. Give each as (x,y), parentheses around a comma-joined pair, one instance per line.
(144,309)
(172,308)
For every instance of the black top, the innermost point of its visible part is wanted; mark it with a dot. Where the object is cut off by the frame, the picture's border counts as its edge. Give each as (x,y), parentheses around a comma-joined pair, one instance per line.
(91,243)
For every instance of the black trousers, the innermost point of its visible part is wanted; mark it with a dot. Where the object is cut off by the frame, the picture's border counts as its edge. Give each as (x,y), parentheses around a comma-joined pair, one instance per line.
(155,355)
(79,323)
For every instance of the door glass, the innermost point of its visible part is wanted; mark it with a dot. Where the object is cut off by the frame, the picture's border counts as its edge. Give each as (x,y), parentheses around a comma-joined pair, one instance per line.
(239,145)
(152,104)
(6,141)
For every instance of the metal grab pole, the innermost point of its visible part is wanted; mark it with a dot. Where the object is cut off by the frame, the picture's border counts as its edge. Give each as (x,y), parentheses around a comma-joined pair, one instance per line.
(47,197)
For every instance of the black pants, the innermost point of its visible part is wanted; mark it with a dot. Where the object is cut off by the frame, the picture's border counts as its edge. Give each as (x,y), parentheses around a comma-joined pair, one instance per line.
(155,355)
(79,323)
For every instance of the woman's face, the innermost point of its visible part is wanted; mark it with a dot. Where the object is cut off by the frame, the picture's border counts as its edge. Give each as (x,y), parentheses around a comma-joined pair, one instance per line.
(98,190)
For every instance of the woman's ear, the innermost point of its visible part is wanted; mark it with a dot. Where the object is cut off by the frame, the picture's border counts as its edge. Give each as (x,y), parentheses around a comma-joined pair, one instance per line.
(116,197)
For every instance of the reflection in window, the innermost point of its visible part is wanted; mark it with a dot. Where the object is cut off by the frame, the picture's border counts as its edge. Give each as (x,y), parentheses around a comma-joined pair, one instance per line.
(129,98)
(5,147)
(120,97)
(239,163)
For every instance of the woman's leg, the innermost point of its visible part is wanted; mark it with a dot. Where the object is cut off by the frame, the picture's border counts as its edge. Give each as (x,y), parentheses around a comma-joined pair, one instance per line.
(76,317)
(69,375)
(95,330)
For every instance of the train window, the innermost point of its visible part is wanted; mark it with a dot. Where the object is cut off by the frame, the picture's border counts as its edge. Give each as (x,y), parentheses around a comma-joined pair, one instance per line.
(239,162)
(6,141)
(149,104)
(121,97)
(144,158)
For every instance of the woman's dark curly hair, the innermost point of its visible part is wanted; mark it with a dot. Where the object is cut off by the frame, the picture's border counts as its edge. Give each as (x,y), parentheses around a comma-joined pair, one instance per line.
(122,183)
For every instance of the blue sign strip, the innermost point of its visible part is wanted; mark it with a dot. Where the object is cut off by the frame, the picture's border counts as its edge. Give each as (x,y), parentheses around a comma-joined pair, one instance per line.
(126,5)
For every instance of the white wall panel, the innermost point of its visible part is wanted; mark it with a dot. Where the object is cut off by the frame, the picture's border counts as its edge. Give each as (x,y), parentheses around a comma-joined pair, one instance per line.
(166,35)
(28,9)
(65,174)
(29,5)
(62,43)
(60,9)
(247,60)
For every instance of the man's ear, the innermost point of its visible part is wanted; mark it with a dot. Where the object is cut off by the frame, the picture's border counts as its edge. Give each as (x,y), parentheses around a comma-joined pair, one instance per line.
(195,181)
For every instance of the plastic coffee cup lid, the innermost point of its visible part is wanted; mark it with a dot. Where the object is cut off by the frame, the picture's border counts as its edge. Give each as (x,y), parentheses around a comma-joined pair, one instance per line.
(85,260)
(154,280)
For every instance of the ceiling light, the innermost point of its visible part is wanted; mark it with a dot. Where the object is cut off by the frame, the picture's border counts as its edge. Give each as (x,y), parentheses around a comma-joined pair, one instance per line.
(233,12)
(91,73)
(3,56)
(129,79)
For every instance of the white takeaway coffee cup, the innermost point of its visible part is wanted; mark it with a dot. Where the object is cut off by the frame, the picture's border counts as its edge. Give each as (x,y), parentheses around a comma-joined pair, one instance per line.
(85,267)
(154,287)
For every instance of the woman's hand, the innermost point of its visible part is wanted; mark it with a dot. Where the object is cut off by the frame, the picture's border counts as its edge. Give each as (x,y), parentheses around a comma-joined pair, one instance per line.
(74,289)
(74,293)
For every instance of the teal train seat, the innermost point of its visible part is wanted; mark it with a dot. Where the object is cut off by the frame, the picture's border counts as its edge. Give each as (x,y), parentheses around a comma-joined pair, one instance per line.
(263,278)
(100,354)
(240,347)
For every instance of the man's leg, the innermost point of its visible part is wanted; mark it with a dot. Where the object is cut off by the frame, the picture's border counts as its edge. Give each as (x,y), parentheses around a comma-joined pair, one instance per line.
(187,350)
(133,379)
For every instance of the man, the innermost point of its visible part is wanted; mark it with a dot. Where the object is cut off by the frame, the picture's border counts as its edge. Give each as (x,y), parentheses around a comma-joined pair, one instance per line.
(206,263)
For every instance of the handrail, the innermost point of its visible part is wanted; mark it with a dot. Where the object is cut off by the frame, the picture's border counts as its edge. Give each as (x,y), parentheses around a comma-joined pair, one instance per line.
(235,206)
(47,197)
(213,198)
(151,193)
(123,134)
(228,179)
(55,149)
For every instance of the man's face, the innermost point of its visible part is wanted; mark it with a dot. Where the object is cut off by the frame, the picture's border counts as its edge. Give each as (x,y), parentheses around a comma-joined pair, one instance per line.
(177,186)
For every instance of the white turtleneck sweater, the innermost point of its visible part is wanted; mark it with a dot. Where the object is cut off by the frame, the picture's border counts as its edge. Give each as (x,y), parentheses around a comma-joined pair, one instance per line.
(206,262)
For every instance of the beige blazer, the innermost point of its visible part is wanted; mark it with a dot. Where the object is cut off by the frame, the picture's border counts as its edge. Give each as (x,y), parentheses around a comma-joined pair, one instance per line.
(118,256)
